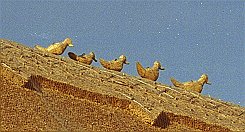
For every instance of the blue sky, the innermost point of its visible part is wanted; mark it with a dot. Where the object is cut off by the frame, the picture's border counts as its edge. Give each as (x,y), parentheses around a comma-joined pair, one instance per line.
(189,38)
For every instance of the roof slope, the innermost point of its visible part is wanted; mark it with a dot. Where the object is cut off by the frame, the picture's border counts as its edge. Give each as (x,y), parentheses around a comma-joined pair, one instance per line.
(41,91)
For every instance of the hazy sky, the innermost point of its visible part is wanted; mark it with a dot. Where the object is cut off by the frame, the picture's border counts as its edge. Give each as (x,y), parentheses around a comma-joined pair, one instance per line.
(189,38)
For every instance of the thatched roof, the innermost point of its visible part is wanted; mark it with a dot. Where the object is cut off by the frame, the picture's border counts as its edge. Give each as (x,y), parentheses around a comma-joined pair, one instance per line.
(41,91)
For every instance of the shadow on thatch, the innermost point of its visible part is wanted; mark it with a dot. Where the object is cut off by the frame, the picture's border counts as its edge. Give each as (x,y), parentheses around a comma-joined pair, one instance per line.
(33,84)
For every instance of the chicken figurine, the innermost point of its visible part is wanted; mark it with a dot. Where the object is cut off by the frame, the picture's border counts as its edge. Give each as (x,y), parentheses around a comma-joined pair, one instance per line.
(196,86)
(149,73)
(116,65)
(57,48)
(84,58)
